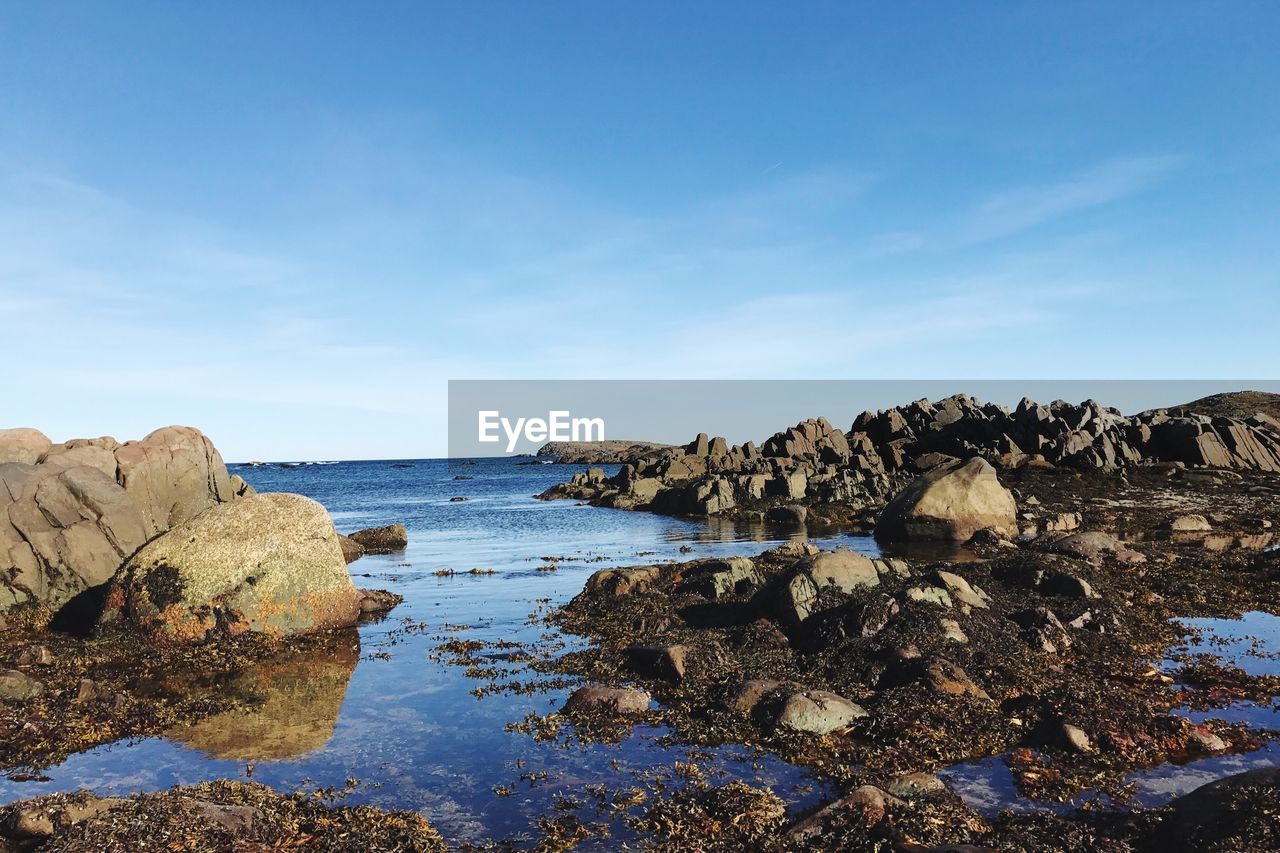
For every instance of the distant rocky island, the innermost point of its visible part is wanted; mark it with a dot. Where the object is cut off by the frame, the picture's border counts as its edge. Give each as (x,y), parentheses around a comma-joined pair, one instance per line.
(612,451)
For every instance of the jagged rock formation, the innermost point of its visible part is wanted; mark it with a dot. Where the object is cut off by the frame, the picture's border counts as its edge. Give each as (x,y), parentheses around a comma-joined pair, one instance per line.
(71,512)
(816,464)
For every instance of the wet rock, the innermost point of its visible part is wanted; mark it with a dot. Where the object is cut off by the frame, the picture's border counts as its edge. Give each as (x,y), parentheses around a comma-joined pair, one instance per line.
(1203,738)
(952,631)
(1042,629)
(16,686)
(719,578)
(950,503)
(37,820)
(88,691)
(934,595)
(946,677)
(1095,546)
(1190,524)
(267,563)
(913,785)
(793,549)
(817,712)
(787,514)
(1233,813)
(961,590)
(1063,522)
(378,601)
(351,549)
(1075,738)
(35,656)
(664,662)
(382,540)
(1069,585)
(747,698)
(607,700)
(615,583)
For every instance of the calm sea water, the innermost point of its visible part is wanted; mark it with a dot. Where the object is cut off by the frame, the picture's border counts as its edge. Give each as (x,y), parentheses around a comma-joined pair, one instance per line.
(380,710)
(405,726)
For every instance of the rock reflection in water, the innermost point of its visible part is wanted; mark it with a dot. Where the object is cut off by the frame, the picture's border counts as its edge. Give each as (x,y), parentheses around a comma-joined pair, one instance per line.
(286,707)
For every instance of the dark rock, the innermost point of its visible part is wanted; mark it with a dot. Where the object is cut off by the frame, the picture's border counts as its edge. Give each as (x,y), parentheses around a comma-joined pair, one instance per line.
(351,549)
(664,662)
(382,540)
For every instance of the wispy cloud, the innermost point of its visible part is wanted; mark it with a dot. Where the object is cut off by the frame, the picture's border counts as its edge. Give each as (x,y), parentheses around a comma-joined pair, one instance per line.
(1012,211)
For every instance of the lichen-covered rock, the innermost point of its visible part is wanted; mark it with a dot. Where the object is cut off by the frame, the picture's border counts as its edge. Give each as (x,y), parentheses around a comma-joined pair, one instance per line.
(268,563)
(951,502)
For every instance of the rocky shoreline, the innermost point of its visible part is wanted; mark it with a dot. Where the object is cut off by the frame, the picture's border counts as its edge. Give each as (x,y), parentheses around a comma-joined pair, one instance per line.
(1035,629)
(144,591)
(1039,642)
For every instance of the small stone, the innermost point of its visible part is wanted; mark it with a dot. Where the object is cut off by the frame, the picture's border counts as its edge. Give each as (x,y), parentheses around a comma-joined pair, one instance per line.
(910,785)
(1204,738)
(750,694)
(1190,524)
(665,662)
(930,595)
(88,692)
(818,712)
(595,699)
(35,656)
(1075,737)
(951,630)
(946,677)
(961,590)
(16,686)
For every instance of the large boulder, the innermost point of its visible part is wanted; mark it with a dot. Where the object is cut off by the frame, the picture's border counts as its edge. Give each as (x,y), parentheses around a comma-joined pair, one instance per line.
(173,475)
(62,530)
(951,503)
(70,512)
(22,444)
(267,563)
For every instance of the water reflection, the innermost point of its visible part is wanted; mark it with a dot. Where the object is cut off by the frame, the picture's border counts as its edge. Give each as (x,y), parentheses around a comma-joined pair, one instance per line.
(285,707)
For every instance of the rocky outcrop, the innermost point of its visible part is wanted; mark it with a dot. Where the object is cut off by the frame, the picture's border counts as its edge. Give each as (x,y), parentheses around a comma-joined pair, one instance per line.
(71,512)
(858,470)
(610,452)
(951,502)
(381,540)
(269,563)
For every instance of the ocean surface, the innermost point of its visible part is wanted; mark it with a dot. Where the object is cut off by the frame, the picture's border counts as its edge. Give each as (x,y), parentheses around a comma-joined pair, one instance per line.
(394,724)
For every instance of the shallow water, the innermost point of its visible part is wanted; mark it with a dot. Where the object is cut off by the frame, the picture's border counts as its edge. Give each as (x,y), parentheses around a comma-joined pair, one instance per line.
(407,727)
(1251,643)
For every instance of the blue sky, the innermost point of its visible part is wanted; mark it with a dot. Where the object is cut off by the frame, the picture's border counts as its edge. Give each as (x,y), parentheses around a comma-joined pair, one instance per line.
(291,225)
